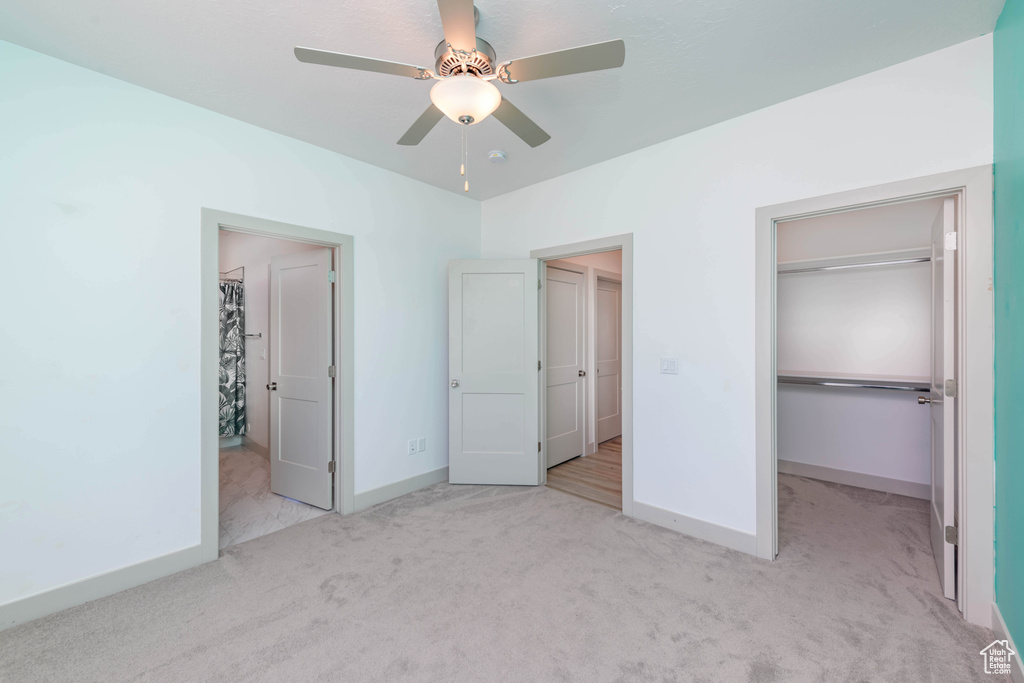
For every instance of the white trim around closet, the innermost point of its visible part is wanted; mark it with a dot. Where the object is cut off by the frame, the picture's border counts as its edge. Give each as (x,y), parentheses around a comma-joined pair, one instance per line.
(973,189)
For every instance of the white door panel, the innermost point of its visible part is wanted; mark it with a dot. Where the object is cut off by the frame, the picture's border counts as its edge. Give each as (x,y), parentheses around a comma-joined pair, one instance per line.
(942,407)
(608,345)
(301,424)
(565,363)
(494,385)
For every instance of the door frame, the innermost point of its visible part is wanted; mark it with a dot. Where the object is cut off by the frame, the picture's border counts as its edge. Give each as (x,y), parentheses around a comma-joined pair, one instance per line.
(212,222)
(972,188)
(625,244)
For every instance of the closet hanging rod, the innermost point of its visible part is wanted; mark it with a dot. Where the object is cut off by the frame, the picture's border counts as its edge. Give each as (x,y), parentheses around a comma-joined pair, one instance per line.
(852,383)
(844,266)
(257,335)
(241,268)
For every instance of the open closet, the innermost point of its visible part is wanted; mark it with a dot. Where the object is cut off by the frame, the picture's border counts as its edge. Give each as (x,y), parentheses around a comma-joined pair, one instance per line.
(859,345)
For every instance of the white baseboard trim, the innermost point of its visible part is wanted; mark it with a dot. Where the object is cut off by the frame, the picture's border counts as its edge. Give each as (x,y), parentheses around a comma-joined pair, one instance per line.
(698,528)
(864,481)
(399,488)
(99,586)
(255,447)
(1002,633)
(229,441)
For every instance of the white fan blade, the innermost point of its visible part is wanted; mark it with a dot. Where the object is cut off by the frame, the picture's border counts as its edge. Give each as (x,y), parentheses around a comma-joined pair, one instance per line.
(424,124)
(459,23)
(313,56)
(576,60)
(520,124)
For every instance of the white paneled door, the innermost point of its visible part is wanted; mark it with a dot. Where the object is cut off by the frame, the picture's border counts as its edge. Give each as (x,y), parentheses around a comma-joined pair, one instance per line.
(494,382)
(301,418)
(943,392)
(564,375)
(608,348)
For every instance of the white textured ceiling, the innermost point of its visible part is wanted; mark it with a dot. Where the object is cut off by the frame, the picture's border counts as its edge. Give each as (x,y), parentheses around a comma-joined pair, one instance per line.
(689,64)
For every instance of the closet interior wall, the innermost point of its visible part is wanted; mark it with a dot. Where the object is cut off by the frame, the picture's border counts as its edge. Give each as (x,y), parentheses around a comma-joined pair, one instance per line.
(864,325)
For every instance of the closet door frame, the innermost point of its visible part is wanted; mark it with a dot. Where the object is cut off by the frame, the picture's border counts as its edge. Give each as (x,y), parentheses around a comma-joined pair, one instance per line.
(972,190)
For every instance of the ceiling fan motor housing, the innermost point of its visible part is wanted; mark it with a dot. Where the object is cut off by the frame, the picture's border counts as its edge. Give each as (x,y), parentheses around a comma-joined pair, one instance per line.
(449,63)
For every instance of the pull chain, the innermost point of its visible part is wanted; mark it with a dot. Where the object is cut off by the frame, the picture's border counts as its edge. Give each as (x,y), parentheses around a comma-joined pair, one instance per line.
(465,154)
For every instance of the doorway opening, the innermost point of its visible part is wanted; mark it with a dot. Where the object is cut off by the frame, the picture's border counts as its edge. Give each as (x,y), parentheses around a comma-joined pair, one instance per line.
(583,382)
(860,333)
(596,461)
(260,491)
(873,329)
(277,367)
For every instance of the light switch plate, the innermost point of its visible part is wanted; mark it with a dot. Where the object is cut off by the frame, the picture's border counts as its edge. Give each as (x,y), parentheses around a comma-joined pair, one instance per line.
(670,366)
(423,444)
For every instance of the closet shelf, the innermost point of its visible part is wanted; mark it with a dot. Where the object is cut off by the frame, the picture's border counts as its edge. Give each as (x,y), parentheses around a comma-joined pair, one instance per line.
(897,384)
(887,258)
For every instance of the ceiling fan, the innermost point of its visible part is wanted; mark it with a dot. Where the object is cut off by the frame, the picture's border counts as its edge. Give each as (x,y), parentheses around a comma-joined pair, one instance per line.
(464,70)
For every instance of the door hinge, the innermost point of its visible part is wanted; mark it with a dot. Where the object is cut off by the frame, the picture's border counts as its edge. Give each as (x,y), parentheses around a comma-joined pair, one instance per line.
(332,370)
(330,467)
(952,388)
(330,276)
(538,283)
(538,446)
(952,535)
(538,366)
(950,241)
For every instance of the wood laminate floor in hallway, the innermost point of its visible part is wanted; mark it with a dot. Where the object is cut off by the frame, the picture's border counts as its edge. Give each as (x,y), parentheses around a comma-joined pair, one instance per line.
(596,477)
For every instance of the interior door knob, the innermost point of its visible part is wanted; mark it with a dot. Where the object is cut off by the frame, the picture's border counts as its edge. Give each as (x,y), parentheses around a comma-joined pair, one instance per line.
(924,399)
(272,386)
(583,373)
(455,384)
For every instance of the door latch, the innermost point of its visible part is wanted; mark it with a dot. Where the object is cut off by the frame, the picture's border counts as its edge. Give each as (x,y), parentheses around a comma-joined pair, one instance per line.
(583,373)
(272,386)
(952,388)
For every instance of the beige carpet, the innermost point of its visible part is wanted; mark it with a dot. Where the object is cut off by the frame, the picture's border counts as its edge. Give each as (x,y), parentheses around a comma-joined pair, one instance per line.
(472,583)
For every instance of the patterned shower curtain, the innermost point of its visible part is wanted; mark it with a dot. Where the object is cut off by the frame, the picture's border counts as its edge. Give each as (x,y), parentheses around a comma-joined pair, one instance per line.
(232,359)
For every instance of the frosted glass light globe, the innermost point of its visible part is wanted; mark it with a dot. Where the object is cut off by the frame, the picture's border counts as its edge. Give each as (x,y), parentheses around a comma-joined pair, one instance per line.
(465,95)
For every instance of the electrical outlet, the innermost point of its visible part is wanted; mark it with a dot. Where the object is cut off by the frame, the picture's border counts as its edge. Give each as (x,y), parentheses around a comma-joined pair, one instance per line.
(412,446)
(423,444)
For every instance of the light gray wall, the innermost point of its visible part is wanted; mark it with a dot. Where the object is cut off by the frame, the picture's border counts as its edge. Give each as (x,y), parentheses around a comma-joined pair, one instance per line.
(103,183)
(691,203)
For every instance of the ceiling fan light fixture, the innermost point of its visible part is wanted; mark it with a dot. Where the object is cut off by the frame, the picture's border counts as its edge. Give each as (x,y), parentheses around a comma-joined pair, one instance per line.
(465,98)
